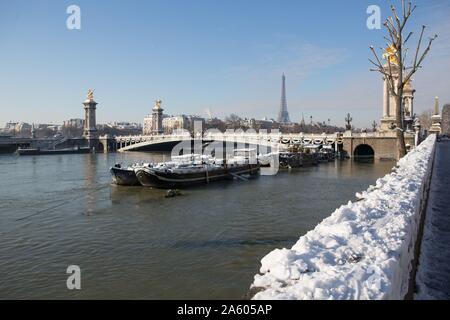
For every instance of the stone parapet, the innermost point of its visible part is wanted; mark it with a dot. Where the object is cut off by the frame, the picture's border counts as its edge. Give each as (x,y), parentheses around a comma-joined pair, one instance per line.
(446,120)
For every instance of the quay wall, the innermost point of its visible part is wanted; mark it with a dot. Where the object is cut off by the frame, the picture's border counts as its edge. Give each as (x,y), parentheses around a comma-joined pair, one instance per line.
(10,145)
(446,120)
(384,147)
(364,250)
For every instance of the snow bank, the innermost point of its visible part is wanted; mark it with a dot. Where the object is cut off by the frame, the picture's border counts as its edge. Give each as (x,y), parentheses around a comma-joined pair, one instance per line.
(363,250)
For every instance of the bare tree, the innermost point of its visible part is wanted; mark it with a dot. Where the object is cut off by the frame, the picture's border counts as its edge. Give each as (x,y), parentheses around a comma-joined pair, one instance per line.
(425,119)
(233,121)
(396,71)
(374,126)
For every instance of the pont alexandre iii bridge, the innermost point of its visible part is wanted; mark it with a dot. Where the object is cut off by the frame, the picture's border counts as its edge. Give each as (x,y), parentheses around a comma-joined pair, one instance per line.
(378,144)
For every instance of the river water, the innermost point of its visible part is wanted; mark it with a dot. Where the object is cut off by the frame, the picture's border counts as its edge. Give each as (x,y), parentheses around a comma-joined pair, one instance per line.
(133,243)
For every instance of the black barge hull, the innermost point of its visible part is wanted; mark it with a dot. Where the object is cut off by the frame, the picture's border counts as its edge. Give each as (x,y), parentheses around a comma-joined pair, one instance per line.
(124,177)
(167,180)
(297,160)
(38,152)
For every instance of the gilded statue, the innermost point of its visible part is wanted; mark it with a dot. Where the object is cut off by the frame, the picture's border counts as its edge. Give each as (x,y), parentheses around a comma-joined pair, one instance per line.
(90,94)
(390,54)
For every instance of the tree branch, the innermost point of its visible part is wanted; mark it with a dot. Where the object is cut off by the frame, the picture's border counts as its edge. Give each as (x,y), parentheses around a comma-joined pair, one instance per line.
(418,46)
(403,9)
(397,19)
(407,38)
(391,28)
(382,70)
(375,64)
(419,64)
(404,58)
(413,9)
(376,56)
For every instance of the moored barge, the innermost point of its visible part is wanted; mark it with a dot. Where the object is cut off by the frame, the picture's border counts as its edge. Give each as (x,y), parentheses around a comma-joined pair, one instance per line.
(182,176)
(197,169)
(39,152)
(124,176)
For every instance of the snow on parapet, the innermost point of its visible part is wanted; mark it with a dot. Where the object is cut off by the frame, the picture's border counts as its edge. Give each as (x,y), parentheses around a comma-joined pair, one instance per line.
(363,250)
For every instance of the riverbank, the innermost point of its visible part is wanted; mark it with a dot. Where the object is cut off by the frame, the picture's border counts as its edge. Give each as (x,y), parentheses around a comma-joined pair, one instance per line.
(364,250)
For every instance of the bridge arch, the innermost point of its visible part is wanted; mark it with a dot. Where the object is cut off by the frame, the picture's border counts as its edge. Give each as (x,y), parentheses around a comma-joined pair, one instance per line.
(264,140)
(364,151)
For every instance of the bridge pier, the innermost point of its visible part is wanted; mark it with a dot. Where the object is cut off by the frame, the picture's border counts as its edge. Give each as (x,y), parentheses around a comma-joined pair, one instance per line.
(384,146)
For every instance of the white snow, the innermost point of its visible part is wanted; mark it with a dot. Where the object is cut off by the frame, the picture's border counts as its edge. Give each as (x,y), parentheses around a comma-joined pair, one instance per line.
(363,250)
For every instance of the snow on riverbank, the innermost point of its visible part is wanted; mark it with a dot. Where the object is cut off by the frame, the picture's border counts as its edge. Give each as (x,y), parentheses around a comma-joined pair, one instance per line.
(363,250)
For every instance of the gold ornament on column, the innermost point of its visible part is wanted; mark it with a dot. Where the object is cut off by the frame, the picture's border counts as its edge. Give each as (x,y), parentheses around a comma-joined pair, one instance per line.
(390,54)
(90,94)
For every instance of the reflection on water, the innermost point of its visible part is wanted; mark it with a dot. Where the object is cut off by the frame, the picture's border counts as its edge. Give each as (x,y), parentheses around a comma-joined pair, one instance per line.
(132,242)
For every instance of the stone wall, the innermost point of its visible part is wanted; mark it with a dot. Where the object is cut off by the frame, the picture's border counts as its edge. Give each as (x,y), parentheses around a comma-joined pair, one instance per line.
(72,143)
(384,147)
(446,120)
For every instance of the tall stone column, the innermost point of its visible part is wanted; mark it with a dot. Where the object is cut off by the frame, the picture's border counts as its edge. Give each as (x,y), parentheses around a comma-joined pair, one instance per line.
(90,125)
(157,117)
(385,98)
(389,104)
(408,103)
(392,98)
(436,119)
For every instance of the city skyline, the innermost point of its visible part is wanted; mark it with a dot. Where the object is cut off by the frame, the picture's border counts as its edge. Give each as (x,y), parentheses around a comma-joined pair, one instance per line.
(224,57)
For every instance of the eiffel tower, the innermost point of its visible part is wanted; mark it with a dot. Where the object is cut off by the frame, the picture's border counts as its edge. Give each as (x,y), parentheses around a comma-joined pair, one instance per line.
(283,114)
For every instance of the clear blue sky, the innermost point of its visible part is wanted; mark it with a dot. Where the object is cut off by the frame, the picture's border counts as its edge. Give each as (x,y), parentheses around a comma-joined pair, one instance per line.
(225,56)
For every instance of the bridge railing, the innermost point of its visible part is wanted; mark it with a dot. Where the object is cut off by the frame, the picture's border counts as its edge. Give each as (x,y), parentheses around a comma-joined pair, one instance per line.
(151,138)
(127,142)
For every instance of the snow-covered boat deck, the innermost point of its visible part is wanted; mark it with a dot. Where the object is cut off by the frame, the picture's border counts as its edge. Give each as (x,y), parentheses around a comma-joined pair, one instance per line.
(433,275)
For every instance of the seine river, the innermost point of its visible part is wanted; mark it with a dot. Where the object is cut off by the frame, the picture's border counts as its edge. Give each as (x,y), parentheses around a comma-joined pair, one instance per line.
(133,243)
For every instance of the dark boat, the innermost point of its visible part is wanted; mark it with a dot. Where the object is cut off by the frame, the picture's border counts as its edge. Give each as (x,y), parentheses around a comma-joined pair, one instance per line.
(124,176)
(39,152)
(326,154)
(290,160)
(185,175)
(309,159)
(297,159)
